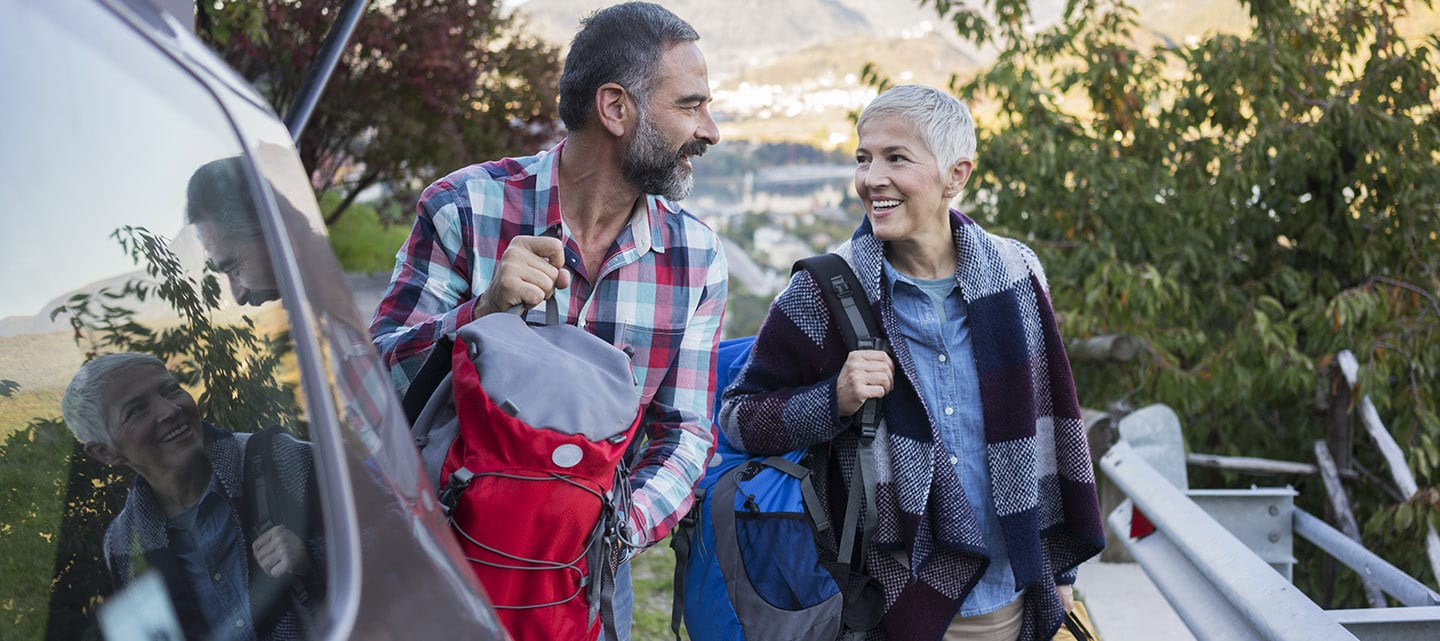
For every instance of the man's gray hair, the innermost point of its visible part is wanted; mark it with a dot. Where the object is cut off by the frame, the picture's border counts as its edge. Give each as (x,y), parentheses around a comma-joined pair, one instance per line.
(622,44)
(219,195)
(82,405)
(943,120)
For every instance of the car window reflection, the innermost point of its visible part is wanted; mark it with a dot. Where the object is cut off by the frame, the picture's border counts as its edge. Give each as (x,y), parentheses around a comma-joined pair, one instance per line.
(224,518)
(220,206)
(140,279)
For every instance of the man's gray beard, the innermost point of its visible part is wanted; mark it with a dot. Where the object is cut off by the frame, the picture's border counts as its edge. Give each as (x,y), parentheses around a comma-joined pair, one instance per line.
(652,167)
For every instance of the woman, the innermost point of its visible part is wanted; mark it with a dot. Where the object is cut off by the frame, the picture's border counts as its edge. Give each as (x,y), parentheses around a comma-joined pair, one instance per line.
(228,574)
(986,495)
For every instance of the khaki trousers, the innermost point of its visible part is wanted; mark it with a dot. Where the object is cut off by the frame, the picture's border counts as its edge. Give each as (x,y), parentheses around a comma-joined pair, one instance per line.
(1001,625)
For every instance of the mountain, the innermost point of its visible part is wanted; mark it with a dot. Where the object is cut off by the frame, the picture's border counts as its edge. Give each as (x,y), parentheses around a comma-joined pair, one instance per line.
(186,246)
(787,70)
(744,34)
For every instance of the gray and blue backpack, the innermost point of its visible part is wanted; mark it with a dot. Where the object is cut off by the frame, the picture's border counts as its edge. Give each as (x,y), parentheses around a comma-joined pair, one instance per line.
(759,557)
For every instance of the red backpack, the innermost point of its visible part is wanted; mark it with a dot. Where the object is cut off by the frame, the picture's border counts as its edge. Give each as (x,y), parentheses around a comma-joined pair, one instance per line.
(533,423)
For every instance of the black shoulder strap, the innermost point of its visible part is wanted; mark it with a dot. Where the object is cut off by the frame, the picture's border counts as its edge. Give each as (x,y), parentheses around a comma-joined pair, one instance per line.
(262,487)
(436,367)
(856,320)
(858,327)
(845,298)
(264,507)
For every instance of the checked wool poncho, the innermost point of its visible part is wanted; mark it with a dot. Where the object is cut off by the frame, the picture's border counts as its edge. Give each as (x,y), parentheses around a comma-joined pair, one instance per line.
(928,551)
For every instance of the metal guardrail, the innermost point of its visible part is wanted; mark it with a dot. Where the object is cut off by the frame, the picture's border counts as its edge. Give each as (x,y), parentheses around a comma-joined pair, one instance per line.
(1392,580)
(1220,588)
(1224,591)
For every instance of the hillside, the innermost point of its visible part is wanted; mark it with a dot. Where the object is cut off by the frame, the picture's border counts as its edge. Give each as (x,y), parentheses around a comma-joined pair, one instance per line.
(741,35)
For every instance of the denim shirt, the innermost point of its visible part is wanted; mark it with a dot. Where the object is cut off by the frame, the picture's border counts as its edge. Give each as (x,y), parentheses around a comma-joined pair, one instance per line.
(207,541)
(932,320)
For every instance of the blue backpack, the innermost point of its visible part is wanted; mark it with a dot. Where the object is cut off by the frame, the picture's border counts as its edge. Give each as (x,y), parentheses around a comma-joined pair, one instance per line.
(757,557)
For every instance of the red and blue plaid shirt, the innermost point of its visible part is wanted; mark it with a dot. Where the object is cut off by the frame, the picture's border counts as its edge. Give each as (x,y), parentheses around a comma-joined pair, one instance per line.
(660,291)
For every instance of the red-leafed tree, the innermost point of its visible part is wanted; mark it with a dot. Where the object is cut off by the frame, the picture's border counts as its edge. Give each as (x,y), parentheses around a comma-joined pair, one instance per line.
(425,86)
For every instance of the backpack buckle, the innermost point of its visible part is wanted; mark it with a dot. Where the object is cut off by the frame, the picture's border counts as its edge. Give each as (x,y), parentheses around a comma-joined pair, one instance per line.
(692,516)
(458,481)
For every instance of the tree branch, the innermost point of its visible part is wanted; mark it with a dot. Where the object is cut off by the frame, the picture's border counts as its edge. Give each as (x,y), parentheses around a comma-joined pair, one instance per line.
(365,181)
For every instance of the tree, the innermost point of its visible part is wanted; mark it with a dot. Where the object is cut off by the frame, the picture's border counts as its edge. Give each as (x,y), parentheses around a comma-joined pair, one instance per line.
(1246,205)
(424,88)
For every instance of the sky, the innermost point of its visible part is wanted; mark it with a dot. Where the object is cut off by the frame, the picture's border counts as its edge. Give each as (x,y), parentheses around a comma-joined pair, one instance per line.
(96,146)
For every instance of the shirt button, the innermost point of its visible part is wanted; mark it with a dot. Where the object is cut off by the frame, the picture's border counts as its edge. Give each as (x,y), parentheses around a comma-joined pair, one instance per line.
(949,411)
(954,460)
(239,623)
(943,358)
(217,577)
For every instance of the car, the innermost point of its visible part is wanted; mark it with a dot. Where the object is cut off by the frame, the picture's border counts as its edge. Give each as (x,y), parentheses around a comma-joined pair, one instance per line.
(154,203)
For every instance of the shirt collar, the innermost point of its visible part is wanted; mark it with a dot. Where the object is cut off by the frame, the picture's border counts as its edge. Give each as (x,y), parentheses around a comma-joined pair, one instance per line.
(649,225)
(647,218)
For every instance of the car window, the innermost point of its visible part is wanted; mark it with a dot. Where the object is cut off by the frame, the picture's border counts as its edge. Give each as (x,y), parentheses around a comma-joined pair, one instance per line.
(155,455)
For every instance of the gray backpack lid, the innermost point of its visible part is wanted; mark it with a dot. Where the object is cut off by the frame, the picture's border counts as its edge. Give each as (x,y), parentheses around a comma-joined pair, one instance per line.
(556,377)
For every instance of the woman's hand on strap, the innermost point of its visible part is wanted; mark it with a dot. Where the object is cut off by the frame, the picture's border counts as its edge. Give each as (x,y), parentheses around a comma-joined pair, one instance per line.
(867,374)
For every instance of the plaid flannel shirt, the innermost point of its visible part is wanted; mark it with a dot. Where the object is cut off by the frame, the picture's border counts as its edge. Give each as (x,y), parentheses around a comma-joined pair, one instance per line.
(660,291)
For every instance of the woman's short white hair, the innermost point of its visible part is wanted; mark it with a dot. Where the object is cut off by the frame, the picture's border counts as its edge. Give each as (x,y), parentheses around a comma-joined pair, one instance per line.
(82,404)
(943,120)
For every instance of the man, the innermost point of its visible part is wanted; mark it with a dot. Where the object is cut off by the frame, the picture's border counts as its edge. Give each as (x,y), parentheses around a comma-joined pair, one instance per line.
(185,515)
(219,204)
(630,265)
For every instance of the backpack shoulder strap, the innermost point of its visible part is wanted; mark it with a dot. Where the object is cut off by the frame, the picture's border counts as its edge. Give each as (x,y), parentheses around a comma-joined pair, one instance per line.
(858,326)
(845,298)
(432,372)
(262,485)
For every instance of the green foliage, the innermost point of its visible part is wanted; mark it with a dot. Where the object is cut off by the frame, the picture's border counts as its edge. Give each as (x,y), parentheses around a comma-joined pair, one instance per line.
(744,311)
(364,241)
(1247,206)
(234,366)
(424,88)
(33,464)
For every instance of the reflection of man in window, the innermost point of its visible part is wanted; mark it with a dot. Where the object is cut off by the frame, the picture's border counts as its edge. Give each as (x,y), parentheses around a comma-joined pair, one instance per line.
(228,225)
(229,575)
(219,204)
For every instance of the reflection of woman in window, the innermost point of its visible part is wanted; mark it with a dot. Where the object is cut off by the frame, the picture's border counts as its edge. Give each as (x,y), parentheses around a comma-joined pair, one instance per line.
(223,562)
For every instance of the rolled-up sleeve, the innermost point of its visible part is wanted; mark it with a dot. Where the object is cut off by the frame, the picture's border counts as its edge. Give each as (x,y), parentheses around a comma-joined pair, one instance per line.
(430,290)
(678,424)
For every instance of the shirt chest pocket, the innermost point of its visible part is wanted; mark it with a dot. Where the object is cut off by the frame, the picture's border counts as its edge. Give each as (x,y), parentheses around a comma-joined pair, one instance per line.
(653,352)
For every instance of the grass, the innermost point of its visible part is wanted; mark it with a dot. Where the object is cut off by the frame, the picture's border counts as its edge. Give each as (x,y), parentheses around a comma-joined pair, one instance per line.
(32,482)
(361,241)
(653,576)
